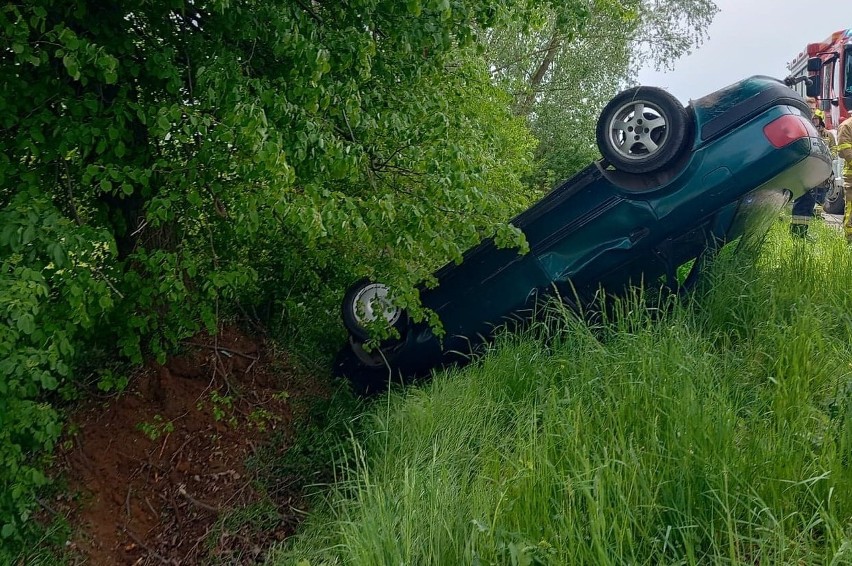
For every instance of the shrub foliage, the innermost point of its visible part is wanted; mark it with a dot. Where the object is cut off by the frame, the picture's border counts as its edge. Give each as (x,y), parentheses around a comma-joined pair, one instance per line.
(162,162)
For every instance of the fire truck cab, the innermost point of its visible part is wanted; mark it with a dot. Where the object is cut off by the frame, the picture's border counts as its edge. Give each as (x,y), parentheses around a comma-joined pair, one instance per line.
(823,71)
(828,65)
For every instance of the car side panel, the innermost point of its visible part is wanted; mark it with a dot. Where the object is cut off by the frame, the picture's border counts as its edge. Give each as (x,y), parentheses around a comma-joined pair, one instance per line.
(624,226)
(581,238)
(484,290)
(662,228)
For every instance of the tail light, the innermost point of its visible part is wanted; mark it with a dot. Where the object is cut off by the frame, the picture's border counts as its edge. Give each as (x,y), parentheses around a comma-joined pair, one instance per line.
(787,129)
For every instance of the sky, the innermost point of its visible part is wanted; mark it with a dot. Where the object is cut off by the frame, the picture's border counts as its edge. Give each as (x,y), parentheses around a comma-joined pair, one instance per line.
(750,37)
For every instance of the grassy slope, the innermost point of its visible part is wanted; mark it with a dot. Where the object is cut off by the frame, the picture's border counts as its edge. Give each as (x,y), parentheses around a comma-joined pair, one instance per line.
(719,433)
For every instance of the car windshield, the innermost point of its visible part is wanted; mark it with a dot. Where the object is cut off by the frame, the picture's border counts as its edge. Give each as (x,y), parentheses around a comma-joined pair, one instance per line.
(848,72)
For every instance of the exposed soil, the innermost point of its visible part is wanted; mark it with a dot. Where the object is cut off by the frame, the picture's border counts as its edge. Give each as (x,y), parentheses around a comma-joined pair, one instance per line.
(158,472)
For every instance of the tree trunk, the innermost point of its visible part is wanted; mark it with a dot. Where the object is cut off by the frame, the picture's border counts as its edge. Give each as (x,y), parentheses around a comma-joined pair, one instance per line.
(535,81)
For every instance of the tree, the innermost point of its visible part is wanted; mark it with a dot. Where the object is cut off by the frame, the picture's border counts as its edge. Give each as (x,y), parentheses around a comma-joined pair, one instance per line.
(166,161)
(573,60)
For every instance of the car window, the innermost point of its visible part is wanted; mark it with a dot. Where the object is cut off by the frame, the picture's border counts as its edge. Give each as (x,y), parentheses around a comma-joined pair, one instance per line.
(848,72)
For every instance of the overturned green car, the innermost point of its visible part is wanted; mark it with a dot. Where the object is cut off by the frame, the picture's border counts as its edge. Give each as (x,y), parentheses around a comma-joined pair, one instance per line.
(674,185)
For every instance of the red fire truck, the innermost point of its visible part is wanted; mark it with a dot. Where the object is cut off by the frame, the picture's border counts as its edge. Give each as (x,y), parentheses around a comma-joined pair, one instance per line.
(828,65)
(824,71)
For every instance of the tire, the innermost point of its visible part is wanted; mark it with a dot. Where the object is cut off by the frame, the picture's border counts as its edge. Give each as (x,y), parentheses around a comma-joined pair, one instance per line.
(364,381)
(642,130)
(359,308)
(834,202)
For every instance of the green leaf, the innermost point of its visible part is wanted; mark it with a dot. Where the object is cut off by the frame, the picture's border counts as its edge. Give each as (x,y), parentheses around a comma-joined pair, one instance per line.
(48,382)
(7,234)
(71,65)
(57,254)
(28,234)
(69,38)
(26,323)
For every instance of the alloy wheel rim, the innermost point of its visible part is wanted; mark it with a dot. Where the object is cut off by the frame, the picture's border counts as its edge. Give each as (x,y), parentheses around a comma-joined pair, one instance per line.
(638,130)
(372,303)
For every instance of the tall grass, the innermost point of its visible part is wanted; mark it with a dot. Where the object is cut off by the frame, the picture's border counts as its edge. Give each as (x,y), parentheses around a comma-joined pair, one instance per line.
(716,431)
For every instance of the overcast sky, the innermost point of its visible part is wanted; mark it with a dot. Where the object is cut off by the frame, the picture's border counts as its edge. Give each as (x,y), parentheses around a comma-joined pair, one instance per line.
(750,37)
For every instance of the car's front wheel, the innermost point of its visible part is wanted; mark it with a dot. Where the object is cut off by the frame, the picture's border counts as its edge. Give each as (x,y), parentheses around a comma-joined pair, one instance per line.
(364,304)
(642,130)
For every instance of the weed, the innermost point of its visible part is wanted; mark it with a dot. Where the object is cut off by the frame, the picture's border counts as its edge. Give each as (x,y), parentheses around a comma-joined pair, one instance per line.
(156,429)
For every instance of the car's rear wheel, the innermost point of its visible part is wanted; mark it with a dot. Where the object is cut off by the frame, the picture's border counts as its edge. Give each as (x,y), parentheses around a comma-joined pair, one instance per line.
(364,304)
(642,130)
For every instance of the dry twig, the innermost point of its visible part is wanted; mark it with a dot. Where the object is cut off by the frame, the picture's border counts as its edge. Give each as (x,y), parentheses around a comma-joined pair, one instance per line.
(147,549)
(226,351)
(197,503)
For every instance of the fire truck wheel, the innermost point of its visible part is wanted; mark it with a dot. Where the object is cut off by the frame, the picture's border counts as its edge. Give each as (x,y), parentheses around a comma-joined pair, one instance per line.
(834,201)
(642,130)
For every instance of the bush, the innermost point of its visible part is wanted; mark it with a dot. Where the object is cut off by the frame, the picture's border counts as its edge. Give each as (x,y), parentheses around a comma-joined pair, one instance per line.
(164,163)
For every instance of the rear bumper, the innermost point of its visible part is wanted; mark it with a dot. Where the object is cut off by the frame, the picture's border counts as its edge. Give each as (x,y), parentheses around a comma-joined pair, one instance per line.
(812,171)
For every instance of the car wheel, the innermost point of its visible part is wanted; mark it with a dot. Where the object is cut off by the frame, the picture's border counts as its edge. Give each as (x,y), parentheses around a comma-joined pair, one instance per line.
(364,381)
(375,358)
(834,201)
(365,303)
(643,129)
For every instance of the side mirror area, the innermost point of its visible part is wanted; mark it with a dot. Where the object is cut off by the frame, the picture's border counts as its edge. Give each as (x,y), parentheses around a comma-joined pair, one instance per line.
(814,64)
(815,88)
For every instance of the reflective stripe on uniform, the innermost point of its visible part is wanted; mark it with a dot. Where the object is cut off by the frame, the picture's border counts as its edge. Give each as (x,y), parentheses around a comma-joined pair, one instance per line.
(847,169)
(847,213)
(844,147)
(847,217)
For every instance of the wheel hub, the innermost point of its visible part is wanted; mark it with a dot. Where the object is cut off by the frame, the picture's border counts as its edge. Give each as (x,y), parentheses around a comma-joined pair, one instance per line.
(637,130)
(372,303)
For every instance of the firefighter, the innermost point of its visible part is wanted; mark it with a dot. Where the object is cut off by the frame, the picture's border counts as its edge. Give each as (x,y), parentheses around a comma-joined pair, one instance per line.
(844,150)
(828,137)
(803,212)
(819,123)
(805,206)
